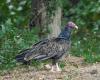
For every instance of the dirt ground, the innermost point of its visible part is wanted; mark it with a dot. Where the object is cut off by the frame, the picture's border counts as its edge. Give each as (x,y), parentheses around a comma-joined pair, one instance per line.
(74,69)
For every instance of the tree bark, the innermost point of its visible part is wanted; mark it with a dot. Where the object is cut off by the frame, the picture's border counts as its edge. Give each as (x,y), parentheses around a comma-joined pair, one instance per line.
(55,25)
(39,19)
(38,16)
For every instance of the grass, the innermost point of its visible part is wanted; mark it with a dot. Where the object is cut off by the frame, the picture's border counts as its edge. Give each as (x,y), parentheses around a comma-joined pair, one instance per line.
(87,46)
(13,40)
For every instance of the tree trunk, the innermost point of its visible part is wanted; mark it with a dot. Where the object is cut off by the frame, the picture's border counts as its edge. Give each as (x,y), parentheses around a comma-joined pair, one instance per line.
(39,19)
(55,25)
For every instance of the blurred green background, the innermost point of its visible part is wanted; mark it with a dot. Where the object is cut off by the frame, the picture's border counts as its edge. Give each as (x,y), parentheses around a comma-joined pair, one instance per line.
(15,35)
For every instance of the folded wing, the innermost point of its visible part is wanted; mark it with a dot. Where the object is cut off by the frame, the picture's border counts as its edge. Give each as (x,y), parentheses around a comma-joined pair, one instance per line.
(47,49)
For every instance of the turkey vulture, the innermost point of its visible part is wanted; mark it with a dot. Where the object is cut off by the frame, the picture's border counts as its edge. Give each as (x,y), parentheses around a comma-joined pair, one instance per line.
(53,48)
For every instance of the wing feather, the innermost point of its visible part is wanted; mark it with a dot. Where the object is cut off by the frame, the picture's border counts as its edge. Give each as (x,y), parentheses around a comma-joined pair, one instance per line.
(47,49)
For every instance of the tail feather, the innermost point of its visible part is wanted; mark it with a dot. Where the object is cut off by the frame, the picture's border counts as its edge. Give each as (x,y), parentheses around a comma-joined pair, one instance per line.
(26,55)
(20,57)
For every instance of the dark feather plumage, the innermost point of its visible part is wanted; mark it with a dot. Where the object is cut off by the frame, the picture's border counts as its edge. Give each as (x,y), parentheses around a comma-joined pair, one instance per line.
(52,48)
(20,57)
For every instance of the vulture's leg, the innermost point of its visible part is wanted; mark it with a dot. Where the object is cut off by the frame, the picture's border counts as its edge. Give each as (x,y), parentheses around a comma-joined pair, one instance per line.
(52,68)
(55,66)
(58,69)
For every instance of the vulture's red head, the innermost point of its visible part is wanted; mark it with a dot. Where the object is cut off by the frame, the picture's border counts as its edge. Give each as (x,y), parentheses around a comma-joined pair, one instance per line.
(72,25)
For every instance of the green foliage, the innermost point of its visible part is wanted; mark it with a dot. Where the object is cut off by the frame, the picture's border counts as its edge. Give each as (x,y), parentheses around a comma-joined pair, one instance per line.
(13,40)
(86,41)
(13,33)
(17,11)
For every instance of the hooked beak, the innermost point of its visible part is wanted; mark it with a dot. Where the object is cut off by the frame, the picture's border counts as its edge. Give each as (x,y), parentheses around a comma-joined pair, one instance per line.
(76,27)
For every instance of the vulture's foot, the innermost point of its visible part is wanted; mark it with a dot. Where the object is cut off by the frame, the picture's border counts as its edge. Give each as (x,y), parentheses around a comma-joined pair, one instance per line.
(55,68)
